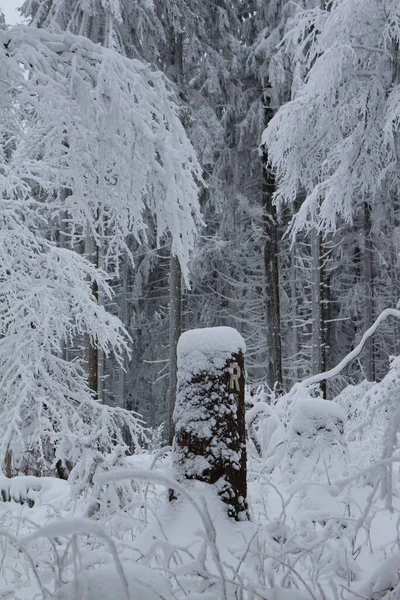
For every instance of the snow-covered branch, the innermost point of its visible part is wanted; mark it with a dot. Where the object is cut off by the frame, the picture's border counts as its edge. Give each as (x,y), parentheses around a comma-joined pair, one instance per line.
(386,314)
(106,129)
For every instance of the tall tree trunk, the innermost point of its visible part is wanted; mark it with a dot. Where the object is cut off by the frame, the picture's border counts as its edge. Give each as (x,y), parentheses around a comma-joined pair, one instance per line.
(327,326)
(123,315)
(293,316)
(175,290)
(368,277)
(63,243)
(271,271)
(175,329)
(91,350)
(317,324)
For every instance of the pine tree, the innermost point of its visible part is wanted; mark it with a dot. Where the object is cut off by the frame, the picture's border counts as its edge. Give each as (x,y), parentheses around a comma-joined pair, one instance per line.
(342,152)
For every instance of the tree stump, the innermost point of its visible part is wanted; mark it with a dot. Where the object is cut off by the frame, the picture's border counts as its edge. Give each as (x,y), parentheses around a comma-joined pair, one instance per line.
(210,438)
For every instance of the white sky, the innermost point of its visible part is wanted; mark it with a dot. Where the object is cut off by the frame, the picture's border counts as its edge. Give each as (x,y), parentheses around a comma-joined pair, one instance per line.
(9,7)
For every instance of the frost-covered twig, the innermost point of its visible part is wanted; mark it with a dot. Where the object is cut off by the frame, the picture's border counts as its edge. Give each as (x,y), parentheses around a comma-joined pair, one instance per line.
(79,526)
(20,545)
(202,511)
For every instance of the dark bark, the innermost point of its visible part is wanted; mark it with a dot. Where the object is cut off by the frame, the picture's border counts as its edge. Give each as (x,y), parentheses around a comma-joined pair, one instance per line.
(368,275)
(91,350)
(175,329)
(93,356)
(175,292)
(325,305)
(317,308)
(271,270)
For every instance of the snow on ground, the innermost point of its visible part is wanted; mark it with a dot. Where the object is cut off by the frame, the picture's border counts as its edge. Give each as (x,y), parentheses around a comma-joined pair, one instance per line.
(324,532)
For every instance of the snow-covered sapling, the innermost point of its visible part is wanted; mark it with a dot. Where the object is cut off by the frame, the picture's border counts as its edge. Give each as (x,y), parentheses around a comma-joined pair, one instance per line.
(210,442)
(316,447)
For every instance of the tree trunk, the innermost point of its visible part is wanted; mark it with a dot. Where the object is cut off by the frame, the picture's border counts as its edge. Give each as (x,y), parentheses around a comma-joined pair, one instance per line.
(91,350)
(293,315)
(317,325)
(123,315)
(210,440)
(271,271)
(327,327)
(175,330)
(368,277)
(63,243)
(175,292)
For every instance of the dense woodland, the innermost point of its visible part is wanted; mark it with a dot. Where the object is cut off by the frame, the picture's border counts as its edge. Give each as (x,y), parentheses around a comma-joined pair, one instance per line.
(294,243)
(167,165)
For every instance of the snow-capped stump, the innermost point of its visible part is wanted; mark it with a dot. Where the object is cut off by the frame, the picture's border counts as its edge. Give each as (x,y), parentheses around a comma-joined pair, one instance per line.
(210,441)
(316,449)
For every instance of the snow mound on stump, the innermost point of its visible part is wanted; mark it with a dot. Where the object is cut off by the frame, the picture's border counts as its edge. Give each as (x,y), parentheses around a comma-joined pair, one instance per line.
(316,448)
(210,441)
(206,350)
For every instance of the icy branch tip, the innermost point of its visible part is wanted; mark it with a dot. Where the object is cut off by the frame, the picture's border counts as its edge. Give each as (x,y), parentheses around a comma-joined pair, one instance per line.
(210,340)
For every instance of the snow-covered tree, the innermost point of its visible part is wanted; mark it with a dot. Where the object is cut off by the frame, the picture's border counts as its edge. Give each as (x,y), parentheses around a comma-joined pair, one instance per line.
(105,129)
(335,144)
(99,21)
(96,136)
(343,150)
(155,33)
(45,404)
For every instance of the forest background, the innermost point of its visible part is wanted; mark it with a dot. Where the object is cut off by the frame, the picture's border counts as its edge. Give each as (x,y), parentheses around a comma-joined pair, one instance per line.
(167,166)
(297,246)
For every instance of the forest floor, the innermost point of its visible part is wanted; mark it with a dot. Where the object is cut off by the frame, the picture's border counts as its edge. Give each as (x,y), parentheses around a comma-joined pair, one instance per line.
(319,534)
